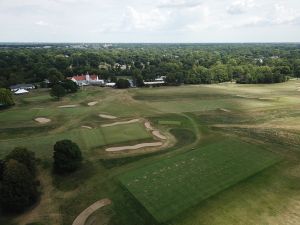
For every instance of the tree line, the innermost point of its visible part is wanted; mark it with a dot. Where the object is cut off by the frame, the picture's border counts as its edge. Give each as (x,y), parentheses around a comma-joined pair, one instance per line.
(189,64)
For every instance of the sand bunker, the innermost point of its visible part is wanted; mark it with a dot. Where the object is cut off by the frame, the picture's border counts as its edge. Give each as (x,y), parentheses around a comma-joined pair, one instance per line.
(148,126)
(134,147)
(120,123)
(87,127)
(42,120)
(92,103)
(84,215)
(107,116)
(156,133)
(67,106)
(224,110)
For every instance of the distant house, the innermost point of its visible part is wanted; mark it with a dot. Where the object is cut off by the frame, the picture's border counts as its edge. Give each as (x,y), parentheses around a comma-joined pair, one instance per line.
(15,88)
(84,80)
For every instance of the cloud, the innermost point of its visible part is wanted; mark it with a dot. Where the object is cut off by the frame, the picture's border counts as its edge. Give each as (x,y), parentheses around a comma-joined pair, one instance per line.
(240,7)
(41,23)
(180,4)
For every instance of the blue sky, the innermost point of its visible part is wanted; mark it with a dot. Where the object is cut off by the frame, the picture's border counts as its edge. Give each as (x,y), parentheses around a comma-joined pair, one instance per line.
(149,21)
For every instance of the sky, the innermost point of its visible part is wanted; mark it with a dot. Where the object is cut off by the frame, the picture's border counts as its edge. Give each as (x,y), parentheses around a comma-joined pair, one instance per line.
(151,21)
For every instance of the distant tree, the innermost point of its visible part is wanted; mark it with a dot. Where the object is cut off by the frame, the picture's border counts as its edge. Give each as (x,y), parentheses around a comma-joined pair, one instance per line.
(18,188)
(54,76)
(58,91)
(6,98)
(2,163)
(122,84)
(70,86)
(67,157)
(24,156)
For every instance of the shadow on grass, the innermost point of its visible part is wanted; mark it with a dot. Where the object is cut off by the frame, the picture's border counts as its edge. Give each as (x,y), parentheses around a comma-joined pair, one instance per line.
(69,182)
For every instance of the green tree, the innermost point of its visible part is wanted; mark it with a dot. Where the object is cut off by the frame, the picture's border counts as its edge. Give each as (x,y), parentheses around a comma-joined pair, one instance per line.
(6,98)
(122,84)
(70,86)
(22,155)
(67,157)
(18,187)
(58,91)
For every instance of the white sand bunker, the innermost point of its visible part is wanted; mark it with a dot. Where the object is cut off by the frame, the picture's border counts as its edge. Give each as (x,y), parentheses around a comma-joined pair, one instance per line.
(156,133)
(92,103)
(87,127)
(120,123)
(84,215)
(42,120)
(224,110)
(107,116)
(134,147)
(67,106)
(148,125)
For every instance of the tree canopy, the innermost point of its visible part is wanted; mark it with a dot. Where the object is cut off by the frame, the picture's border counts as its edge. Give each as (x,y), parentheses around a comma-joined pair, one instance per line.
(67,157)
(6,98)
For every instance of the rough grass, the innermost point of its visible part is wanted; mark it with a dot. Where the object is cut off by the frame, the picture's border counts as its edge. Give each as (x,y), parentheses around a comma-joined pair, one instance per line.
(171,186)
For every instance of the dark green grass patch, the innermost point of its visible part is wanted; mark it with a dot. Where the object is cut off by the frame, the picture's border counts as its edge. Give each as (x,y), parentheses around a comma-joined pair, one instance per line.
(173,185)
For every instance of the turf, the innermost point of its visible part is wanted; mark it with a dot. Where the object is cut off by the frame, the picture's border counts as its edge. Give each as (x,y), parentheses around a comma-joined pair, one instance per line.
(173,185)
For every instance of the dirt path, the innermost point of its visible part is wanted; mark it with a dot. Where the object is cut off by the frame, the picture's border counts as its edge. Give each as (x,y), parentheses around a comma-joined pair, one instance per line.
(107,116)
(83,216)
(120,123)
(134,147)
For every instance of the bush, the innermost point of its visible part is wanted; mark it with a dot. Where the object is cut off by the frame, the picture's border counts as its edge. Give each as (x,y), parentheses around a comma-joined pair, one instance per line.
(6,98)
(58,91)
(22,155)
(67,157)
(122,84)
(18,187)
(70,86)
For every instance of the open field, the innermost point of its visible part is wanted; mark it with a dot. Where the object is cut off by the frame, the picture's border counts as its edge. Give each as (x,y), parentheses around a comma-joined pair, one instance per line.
(257,123)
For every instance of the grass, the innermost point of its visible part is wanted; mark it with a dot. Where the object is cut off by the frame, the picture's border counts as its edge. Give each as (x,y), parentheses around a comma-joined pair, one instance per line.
(87,139)
(269,197)
(172,186)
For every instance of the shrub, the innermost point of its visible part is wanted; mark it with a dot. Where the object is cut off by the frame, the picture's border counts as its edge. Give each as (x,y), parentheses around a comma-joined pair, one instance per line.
(58,91)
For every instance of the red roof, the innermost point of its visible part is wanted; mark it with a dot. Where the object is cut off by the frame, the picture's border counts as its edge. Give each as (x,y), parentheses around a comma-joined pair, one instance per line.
(83,77)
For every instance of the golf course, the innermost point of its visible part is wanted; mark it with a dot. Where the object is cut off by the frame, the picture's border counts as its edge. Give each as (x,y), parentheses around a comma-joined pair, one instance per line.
(216,154)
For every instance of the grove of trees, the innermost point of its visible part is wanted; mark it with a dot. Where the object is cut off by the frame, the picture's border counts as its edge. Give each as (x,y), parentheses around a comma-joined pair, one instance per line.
(180,63)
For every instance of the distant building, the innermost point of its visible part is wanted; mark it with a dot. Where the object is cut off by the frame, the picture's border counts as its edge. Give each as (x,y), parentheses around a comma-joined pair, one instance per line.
(84,80)
(21,92)
(15,88)
(110,84)
(157,82)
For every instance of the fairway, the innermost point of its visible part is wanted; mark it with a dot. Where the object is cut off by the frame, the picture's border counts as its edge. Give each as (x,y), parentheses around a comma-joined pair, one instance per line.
(173,185)
(86,139)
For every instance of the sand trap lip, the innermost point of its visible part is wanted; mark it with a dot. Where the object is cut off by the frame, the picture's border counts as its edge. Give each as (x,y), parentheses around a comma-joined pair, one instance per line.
(120,123)
(92,103)
(42,120)
(156,133)
(67,106)
(134,147)
(84,215)
(148,125)
(87,127)
(105,116)
(267,98)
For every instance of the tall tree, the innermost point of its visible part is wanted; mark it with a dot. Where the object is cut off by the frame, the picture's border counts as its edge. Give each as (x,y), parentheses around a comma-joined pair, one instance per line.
(6,98)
